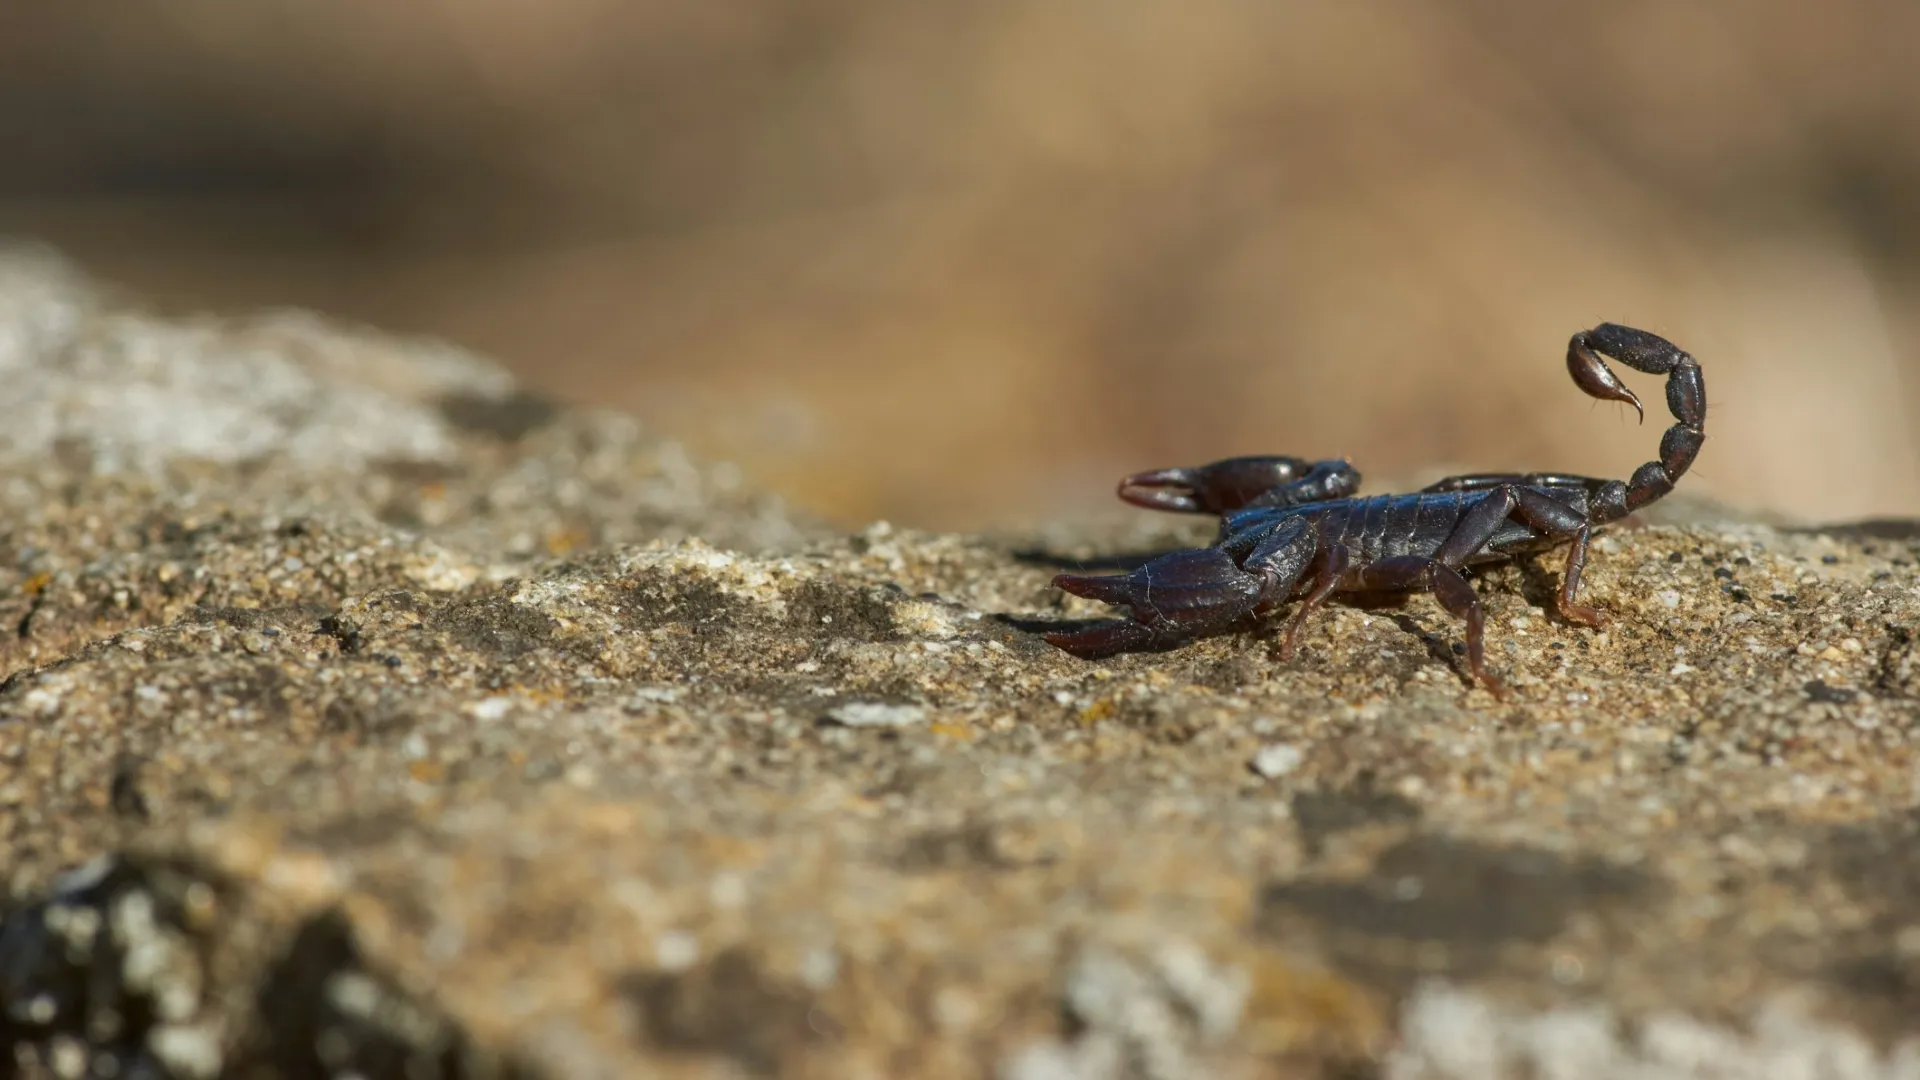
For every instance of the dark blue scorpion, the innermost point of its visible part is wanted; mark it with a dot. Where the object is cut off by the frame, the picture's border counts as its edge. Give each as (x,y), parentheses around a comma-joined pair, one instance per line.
(1291,528)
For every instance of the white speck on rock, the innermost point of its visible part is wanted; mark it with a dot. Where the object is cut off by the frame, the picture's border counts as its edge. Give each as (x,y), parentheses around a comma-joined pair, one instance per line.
(819,967)
(877,714)
(642,696)
(1276,760)
(1449,1032)
(728,891)
(490,708)
(676,950)
(1214,995)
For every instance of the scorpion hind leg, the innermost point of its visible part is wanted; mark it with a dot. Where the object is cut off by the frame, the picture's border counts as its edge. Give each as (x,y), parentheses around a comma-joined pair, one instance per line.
(1571,609)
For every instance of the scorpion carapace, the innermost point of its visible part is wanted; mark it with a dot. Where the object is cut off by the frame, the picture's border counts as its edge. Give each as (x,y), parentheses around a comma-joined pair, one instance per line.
(1291,528)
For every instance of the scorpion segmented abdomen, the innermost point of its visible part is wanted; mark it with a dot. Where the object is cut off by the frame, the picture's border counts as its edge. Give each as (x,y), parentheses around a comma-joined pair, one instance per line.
(1382,526)
(1434,516)
(1351,525)
(1379,526)
(1402,535)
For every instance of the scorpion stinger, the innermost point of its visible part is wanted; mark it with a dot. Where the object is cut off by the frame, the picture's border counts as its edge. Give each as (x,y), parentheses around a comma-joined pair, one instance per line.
(1290,529)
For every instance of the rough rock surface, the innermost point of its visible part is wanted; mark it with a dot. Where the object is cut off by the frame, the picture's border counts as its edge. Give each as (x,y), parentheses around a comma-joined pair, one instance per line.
(364,716)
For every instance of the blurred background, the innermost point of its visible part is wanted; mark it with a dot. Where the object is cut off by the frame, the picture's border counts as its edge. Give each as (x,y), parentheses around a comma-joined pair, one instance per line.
(963,264)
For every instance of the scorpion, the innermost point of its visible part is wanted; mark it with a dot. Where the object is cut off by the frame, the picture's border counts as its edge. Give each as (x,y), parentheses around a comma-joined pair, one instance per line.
(1290,528)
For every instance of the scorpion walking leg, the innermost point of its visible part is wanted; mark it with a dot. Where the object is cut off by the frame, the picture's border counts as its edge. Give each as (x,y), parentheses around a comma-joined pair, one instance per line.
(1552,517)
(1572,611)
(1545,514)
(1483,481)
(1417,572)
(1329,565)
(1476,527)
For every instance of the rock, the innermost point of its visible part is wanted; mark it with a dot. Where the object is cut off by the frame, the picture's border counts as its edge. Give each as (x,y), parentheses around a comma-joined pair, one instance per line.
(1276,760)
(876,714)
(489,744)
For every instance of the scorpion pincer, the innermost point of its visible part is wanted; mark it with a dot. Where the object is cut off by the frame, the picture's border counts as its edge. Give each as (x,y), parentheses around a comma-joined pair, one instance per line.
(1290,528)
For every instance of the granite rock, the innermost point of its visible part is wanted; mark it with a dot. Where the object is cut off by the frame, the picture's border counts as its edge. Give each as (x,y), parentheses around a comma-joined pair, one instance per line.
(364,715)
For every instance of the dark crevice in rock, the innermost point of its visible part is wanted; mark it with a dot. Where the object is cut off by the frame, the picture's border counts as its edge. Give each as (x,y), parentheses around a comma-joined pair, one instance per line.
(323,1014)
(114,970)
(728,1007)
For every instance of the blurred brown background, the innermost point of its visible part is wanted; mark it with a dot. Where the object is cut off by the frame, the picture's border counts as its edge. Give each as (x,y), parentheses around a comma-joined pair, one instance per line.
(964,263)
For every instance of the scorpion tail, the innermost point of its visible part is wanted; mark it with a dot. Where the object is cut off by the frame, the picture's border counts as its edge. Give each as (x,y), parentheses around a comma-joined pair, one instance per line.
(1686,399)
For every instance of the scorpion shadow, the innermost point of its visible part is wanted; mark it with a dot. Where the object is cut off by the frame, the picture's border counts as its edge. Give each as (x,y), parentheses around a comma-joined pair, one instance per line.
(1867,529)
(1125,562)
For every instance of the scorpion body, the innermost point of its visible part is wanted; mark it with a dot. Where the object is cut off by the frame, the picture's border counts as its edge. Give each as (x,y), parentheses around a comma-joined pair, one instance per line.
(1294,529)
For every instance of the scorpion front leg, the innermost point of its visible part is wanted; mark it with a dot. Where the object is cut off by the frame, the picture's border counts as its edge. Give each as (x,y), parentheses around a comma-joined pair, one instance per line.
(1329,567)
(1185,595)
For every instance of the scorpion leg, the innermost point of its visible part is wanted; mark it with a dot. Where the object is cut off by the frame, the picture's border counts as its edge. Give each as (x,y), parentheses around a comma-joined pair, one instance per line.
(1571,610)
(1237,483)
(1546,515)
(1189,594)
(1536,509)
(1417,572)
(1483,481)
(1328,567)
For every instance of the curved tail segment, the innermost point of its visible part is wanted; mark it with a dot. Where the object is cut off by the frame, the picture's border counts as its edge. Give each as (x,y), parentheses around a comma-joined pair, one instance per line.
(1686,399)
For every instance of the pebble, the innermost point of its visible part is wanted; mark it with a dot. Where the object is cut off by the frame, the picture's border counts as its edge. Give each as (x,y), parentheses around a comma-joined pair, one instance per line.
(877,714)
(1276,760)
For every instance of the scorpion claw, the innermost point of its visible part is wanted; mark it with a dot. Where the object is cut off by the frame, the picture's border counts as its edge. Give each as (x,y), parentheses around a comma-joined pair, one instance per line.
(1175,490)
(1237,483)
(1183,587)
(1117,589)
(1173,599)
(1104,639)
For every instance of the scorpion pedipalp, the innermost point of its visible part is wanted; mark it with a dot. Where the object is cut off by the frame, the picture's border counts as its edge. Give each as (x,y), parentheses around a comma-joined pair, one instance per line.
(1186,594)
(1237,483)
